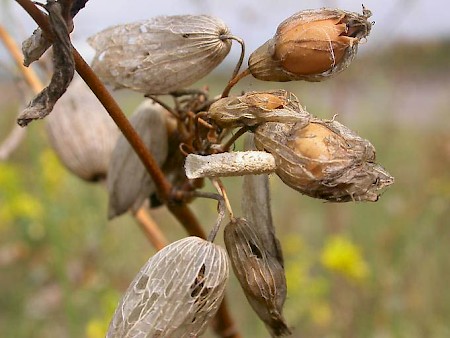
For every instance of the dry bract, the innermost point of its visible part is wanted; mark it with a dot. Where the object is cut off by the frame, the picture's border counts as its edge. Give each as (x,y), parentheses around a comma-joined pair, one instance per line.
(324,159)
(160,55)
(254,108)
(260,274)
(176,293)
(311,45)
(129,183)
(82,133)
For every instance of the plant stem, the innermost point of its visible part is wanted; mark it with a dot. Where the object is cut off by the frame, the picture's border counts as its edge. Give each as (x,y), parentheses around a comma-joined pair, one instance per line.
(28,73)
(233,82)
(150,228)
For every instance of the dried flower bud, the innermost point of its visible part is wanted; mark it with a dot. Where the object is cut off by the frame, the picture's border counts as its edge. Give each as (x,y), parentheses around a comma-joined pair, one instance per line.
(82,133)
(311,45)
(324,160)
(176,293)
(254,108)
(260,274)
(129,183)
(160,55)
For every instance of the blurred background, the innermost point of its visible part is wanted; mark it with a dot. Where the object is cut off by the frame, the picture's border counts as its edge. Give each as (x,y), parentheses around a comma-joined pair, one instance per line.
(353,270)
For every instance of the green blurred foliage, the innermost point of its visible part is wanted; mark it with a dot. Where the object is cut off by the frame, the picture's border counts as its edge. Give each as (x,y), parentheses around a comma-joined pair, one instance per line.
(353,270)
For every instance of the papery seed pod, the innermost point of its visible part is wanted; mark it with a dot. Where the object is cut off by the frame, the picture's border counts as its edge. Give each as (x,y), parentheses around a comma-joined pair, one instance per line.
(254,108)
(324,160)
(260,274)
(160,55)
(176,293)
(311,45)
(129,183)
(256,208)
(82,133)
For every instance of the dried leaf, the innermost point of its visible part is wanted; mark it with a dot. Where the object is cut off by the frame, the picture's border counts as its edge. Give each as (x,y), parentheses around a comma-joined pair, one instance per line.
(82,133)
(64,68)
(160,55)
(129,183)
(176,293)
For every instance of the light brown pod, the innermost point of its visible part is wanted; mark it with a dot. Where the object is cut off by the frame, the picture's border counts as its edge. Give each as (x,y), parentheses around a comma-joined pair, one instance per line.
(324,159)
(176,293)
(129,183)
(160,55)
(254,108)
(260,274)
(311,45)
(82,133)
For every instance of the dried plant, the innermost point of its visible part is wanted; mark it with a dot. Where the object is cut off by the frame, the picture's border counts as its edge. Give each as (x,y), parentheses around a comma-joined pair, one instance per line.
(179,289)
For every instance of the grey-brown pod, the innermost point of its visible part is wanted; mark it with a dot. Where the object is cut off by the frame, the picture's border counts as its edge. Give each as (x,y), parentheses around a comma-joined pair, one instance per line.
(82,133)
(129,183)
(160,55)
(311,45)
(324,159)
(260,274)
(254,108)
(176,293)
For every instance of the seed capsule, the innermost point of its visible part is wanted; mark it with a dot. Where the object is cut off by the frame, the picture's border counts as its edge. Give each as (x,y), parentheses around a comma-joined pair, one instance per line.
(311,45)
(84,148)
(324,159)
(176,293)
(254,108)
(260,274)
(129,183)
(160,55)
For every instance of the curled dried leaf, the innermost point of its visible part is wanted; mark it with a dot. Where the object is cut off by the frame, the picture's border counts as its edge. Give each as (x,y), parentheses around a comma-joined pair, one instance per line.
(63,65)
(324,159)
(176,293)
(128,181)
(160,55)
(311,45)
(82,133)
(254,108)
(260,274)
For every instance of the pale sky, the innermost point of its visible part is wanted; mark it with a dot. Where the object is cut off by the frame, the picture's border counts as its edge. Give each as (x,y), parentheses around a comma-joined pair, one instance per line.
(253,20)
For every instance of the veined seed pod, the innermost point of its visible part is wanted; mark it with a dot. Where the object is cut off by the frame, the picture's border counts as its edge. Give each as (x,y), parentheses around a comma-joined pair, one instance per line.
(129,183)
(324,159)
(176,293)
(311,45)
(260,274)
(160,55)
(82,133)
(254,108)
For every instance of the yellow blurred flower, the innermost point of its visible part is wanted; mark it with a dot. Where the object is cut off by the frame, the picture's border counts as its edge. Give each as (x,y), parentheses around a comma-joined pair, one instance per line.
(321,313)
(342,256)
(97,328)
(52,170)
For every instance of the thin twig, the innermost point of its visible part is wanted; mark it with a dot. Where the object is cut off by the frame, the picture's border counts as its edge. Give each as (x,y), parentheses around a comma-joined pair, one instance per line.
(29,75)
(233,82)
(241,58)
(150,228)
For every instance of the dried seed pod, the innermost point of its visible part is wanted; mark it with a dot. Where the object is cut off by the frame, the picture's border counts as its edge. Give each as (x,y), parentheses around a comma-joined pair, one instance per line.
(129,183)
(260,274)
(160,55)
(176,293)
(256,206)
(324,159)
(82,133)
(311,45)
(254,108)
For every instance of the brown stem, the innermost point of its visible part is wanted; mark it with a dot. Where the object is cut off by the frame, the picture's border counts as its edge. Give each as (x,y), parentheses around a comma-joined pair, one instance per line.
(233,82)
(183,214)
(150,229)
(29,75)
